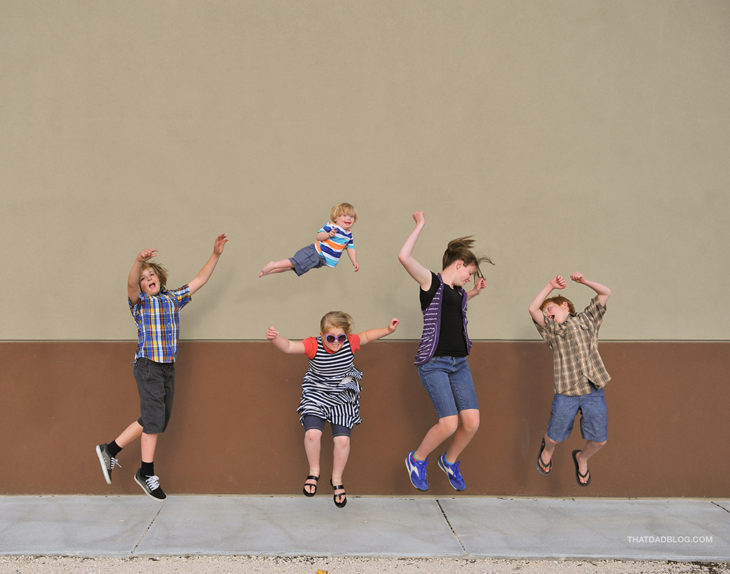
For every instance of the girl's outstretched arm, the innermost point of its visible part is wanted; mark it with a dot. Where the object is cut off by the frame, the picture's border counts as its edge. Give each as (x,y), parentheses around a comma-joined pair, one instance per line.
(282,343)
(405,255)
(204,274)
(373,334)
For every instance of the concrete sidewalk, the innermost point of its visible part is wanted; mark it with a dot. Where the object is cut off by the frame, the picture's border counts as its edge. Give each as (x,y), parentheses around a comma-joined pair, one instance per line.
(649,529)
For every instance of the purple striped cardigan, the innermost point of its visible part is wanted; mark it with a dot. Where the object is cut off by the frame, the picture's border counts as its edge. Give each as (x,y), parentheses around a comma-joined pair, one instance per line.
(432,326)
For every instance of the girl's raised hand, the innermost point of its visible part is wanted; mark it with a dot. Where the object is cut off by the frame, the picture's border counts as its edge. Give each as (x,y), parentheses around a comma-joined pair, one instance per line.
(419,217)
(393,325)
(272,333)
(577,277)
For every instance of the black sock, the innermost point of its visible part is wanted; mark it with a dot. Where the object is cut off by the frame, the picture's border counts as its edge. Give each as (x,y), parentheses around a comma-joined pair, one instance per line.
(147,469)
(113,449)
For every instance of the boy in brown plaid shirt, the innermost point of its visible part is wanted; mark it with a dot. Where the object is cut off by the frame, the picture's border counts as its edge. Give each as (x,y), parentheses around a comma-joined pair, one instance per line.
(579,374)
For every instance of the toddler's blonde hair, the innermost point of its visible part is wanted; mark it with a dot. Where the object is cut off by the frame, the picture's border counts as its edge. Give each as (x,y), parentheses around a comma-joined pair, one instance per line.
(342,209)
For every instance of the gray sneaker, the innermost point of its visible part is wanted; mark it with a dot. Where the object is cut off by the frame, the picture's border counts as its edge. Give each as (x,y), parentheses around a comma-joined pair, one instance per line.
(150,485)
(107,461)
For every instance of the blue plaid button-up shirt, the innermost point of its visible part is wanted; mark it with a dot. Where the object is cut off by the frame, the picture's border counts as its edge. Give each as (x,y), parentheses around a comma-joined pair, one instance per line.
(158,325)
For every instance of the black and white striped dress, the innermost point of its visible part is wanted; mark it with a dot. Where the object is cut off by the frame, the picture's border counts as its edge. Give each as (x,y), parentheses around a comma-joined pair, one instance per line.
(331,388)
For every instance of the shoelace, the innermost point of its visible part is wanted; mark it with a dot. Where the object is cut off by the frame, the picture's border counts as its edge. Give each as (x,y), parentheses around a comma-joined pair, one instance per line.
(153,482)
(113,462)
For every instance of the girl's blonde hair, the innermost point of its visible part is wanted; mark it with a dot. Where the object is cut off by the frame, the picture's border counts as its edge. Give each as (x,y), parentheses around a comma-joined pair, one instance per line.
(337,319)
(159,270)
(459,249)
(342,209)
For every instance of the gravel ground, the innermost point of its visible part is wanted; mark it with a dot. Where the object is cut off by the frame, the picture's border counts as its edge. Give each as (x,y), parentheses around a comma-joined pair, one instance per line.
(341,565)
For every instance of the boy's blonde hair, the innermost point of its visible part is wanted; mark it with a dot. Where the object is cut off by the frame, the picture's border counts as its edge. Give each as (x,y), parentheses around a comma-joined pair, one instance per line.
(337,319)
(343,209)
(159,270)
(558,300)
(459,249)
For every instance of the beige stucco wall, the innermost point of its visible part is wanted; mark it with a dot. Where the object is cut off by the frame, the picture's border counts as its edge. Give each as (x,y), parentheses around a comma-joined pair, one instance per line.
(565,135)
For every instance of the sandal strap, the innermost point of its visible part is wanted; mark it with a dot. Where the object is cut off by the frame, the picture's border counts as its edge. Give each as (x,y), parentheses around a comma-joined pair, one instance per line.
(312,477)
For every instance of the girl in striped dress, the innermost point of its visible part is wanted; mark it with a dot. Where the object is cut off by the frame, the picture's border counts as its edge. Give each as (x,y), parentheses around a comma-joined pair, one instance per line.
(330,391)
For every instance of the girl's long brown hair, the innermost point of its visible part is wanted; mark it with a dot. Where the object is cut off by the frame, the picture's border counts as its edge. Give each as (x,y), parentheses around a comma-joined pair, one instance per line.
(459,249)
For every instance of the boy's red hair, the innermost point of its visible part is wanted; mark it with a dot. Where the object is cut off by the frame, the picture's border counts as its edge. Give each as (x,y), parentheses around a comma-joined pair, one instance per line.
(558,300)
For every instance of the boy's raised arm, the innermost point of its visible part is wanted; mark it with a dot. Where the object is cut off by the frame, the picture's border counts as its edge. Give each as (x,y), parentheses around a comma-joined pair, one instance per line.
(405,255)
(536,313)
(204,274)
(133,278)
(374,334)
(603,292)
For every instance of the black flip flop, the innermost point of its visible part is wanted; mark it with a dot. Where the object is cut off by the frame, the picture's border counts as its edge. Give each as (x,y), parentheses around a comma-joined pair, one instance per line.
(304,488)
(342,494)
(578,473)
(543,468)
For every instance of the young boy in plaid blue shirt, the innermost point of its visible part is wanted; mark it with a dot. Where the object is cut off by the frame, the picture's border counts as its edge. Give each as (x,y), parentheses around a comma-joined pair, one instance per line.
(156,312)
(579,374)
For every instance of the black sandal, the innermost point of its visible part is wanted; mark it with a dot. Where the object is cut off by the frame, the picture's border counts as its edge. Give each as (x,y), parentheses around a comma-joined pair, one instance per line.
(543,468)
(304,488)
(342,496)
(578,474)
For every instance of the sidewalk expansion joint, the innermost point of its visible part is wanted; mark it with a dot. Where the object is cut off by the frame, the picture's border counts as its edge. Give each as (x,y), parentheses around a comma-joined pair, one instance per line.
(446,518)
(720,506)
(149,527)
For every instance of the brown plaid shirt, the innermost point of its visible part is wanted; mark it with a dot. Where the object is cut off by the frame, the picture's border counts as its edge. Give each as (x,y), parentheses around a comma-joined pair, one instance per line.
(576,362)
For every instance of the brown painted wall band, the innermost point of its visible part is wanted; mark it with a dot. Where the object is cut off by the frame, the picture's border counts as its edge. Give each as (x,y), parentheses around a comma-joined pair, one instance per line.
(234,429)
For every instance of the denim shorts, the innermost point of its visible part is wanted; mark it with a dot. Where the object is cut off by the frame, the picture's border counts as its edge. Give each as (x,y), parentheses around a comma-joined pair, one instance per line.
(449,384)
(310,422)
(156,387)
(305,259)
(593,416)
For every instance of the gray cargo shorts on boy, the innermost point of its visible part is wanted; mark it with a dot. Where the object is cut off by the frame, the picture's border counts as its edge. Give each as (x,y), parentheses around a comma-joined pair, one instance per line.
(156,387)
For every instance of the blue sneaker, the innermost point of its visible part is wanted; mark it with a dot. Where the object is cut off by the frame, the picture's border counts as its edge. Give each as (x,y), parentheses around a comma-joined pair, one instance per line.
(417,471)
(453,472)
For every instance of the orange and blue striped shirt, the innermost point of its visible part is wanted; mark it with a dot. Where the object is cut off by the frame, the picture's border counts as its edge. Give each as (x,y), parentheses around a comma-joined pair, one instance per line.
(158,323)
(332,248)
